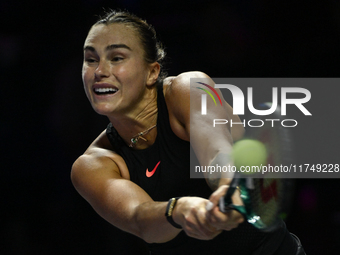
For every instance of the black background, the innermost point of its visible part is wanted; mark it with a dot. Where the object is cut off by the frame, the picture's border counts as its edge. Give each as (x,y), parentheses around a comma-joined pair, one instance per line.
(47,122)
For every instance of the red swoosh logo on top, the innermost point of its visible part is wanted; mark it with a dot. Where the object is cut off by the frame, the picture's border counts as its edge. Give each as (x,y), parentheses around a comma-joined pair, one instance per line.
(149,174)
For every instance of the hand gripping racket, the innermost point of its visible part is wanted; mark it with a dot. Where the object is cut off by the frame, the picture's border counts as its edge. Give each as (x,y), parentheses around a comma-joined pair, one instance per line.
(266,196)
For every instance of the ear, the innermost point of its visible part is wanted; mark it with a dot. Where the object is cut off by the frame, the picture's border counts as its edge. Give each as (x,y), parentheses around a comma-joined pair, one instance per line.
(153,73)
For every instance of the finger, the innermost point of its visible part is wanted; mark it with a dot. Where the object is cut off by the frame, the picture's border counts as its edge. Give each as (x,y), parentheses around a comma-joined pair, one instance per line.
(215,217)
(198,224)
(216,195)
(202,237)
(203,224)
(196,231)
(230,227)
(205,230)
(209,206)
(226,221)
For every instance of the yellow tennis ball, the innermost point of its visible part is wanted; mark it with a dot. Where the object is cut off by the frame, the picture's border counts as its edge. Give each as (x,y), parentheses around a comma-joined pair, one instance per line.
(247,153)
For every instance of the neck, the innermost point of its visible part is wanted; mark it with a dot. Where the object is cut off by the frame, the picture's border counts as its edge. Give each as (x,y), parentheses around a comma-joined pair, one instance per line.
(129,125)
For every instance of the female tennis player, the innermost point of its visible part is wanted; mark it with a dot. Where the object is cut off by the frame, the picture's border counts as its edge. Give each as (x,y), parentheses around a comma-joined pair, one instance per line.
(136,173)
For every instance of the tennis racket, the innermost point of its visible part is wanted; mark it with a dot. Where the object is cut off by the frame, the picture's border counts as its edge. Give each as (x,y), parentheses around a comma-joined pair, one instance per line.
(266,196)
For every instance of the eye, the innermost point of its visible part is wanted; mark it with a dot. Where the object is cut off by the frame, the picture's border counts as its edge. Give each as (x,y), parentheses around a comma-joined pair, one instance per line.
(117,59)
(90,60)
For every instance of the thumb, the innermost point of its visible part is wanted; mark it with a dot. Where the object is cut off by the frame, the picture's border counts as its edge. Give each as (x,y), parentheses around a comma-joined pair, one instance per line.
(215,197)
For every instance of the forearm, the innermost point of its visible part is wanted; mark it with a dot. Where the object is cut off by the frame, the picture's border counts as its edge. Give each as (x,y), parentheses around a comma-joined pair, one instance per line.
(126,206)
(217,178)
(153,226)
(188,212)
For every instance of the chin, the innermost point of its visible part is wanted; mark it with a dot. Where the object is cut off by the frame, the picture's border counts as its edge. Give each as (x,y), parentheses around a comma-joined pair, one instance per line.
(103,110)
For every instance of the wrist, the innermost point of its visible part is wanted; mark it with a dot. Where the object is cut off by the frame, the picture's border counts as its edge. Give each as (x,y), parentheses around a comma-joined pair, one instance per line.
(171,212)
(224,181)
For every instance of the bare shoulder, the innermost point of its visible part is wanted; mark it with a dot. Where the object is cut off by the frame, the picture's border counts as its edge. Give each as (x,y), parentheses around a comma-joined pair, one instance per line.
(97,164)
(177,85)
(177,96)
(177,91)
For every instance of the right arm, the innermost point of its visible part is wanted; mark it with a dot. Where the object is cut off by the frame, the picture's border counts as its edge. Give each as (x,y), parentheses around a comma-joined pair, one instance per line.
(101,177)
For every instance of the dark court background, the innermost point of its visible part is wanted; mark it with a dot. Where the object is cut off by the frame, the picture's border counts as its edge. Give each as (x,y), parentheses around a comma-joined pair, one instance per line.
(46,121)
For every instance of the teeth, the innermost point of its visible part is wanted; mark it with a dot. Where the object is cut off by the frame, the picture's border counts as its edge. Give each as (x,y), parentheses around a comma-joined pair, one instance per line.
(105,90)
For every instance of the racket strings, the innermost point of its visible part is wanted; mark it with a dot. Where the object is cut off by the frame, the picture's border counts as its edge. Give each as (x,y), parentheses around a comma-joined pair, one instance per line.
(265,199)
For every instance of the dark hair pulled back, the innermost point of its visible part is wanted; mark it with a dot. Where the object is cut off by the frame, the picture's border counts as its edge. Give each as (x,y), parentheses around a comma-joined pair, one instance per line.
(154,50)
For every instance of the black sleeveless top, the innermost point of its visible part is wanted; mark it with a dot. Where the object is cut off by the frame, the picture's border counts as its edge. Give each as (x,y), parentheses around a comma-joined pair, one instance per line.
(169,155)
(169,160)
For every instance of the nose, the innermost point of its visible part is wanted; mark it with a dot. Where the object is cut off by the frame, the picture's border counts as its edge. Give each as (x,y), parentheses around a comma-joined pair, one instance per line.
(102,70)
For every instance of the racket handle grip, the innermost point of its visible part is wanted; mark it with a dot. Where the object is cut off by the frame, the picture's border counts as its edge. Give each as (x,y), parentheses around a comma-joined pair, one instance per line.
(222,205)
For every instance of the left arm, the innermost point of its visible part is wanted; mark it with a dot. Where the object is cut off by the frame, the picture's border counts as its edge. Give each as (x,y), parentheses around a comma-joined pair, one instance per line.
(189,124)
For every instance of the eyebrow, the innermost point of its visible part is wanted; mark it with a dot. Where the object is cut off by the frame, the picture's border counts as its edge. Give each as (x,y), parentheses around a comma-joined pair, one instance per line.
(110,47)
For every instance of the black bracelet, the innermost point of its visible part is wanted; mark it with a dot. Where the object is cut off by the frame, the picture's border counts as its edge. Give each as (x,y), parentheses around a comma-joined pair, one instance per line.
(169,209)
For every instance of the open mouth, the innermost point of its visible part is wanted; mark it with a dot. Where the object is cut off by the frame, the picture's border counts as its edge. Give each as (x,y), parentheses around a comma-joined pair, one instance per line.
(105,91)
